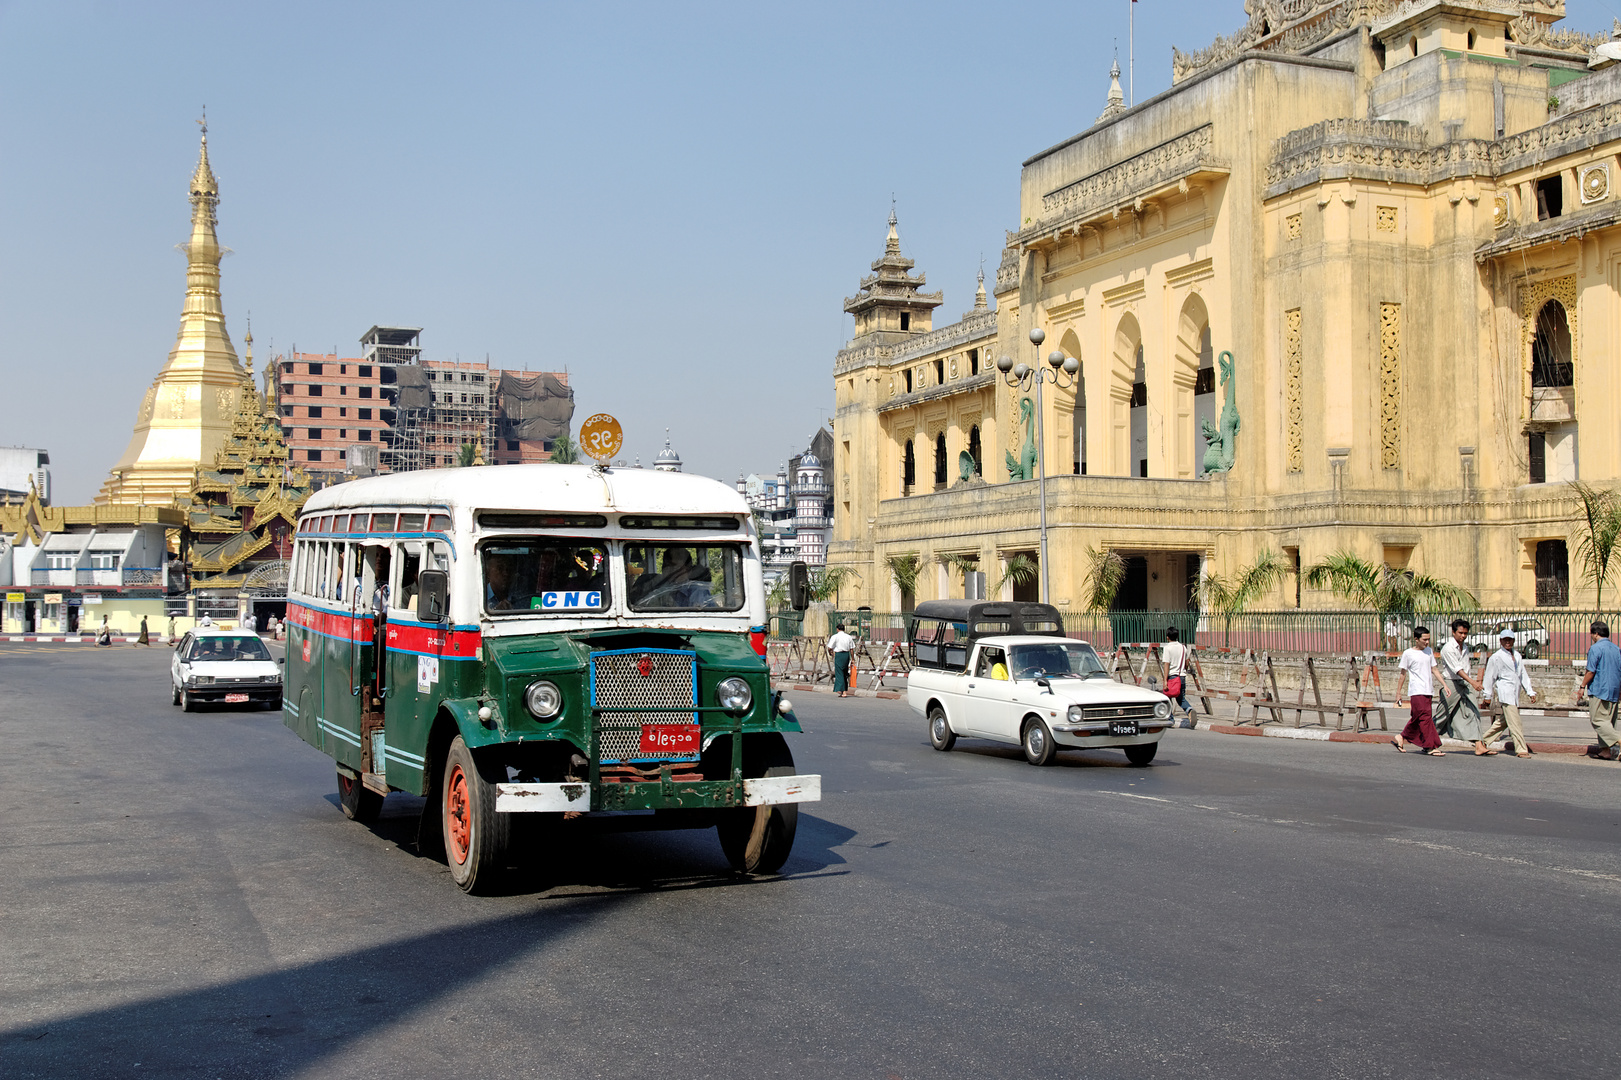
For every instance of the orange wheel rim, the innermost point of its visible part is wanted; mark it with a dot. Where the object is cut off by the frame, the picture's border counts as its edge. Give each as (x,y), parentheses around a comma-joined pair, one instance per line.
(458,814)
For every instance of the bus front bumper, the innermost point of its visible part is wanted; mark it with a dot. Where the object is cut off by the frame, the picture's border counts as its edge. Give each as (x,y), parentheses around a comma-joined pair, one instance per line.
(658,795)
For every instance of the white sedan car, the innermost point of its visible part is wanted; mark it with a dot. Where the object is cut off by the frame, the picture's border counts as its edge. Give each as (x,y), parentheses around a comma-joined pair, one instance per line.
(228,666)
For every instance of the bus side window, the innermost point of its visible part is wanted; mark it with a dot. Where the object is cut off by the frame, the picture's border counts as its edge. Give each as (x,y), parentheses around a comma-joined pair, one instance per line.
(350,596)
(438,558)
(409,557)
(323,553)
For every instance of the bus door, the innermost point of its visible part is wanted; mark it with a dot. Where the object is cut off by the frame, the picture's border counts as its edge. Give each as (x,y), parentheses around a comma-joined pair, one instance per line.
(371,682)
(414,664)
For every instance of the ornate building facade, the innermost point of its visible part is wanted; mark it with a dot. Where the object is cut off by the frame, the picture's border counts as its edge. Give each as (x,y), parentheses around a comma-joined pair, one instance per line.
(1352,283)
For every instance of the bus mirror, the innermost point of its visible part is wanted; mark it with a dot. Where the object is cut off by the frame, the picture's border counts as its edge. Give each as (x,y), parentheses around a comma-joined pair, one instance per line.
(799,586)
(433,595)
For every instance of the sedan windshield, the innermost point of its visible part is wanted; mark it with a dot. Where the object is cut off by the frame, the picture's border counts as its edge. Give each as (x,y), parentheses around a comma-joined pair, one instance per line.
(1056,660)
(209,649)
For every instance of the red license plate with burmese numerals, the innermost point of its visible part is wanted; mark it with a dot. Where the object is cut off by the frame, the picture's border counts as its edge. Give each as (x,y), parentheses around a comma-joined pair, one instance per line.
(235,699)
(670,738)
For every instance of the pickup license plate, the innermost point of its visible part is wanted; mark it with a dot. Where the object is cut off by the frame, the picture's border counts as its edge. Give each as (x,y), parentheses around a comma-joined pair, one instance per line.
(233,699)
(1123,727)
(670,738)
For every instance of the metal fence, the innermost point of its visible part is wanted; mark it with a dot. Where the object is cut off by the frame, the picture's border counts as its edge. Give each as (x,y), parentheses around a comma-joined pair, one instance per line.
(1557,634)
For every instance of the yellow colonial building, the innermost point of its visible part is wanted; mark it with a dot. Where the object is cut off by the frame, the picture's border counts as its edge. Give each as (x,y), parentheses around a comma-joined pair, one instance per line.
(1352,283)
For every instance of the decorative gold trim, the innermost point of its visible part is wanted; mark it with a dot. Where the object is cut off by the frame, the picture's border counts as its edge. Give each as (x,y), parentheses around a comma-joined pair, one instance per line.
(1595,183)
(1121,295)
(1294,413)
(1186,275)
(1390,386)
(1384,218)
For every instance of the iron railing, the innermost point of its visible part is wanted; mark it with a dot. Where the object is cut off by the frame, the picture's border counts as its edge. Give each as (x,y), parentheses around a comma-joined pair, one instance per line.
(1557,634)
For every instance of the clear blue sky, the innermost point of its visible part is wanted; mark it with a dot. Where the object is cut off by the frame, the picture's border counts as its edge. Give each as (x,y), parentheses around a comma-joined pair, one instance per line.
(668,200)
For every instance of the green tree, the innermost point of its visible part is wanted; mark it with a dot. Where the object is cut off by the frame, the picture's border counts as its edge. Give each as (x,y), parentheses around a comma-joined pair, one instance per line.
(1229,594)
(1021,569)
(826,582)
(564,452)
(1599,536)
(960,566)
(904,570)
(467,454)
(1105,573)
(1385,590)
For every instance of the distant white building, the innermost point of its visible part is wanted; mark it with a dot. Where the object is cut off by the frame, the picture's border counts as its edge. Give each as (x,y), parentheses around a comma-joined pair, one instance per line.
(19,465)
(794,509)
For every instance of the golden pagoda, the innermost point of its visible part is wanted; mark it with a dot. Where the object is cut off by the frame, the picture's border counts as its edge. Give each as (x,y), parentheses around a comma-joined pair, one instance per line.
(241,508)
(188,411)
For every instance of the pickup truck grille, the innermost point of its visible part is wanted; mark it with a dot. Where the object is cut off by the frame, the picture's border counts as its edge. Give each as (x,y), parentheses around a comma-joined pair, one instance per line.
(1138,711)
(629,678)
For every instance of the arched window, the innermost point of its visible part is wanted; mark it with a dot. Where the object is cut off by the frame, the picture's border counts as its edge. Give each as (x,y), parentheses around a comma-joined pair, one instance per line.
(1139,417)
(1071,346)
(1122,394)
(908,469)
(973,449)
(1193,387)
(940,460)
(1551,363)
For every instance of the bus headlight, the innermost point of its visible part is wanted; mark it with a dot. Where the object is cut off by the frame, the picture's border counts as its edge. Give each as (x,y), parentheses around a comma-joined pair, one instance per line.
(1162,709)
(734,696)
(543,699)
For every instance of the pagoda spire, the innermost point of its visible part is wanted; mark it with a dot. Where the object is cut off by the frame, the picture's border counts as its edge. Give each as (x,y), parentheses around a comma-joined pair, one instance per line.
(187,413)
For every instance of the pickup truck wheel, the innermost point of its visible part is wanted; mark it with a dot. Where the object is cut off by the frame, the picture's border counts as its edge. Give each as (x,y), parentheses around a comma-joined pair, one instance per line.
(359,802)
(1038,742)
(1142,753)
(1532,650)
(941,737)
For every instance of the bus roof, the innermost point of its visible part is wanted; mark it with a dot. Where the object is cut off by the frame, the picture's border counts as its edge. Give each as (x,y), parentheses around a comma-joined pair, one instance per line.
(565,488)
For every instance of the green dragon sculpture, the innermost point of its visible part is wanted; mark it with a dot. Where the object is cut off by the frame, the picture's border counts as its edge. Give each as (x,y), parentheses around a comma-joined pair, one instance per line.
(1218,456)
(1023,467)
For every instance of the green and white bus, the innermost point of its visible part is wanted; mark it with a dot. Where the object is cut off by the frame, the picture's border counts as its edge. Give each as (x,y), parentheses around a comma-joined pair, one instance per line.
(562,640)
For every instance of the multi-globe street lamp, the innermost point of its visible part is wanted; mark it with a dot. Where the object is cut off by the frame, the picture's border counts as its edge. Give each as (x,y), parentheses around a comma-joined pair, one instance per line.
(1062,374)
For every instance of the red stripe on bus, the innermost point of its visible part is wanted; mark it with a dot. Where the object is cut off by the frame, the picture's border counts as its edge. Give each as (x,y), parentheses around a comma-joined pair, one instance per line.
(408,637)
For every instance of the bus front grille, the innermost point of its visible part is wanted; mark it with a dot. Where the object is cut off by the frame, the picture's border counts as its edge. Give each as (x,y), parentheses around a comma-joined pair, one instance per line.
(654,679)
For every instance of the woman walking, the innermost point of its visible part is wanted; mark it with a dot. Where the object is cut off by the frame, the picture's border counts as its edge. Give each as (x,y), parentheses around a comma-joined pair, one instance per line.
(840,645)
(144,638)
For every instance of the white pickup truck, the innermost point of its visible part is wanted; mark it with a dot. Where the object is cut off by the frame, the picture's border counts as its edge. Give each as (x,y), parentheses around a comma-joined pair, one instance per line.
(1005,672)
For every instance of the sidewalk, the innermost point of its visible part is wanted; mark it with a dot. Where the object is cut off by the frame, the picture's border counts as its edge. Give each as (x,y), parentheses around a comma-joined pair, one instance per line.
(73,639)
(1543,733)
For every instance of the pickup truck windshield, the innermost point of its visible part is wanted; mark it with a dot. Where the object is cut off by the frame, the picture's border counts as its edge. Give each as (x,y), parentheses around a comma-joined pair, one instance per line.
(1056,660)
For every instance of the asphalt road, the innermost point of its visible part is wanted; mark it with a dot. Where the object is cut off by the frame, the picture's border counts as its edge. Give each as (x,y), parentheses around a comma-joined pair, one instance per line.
(182,897)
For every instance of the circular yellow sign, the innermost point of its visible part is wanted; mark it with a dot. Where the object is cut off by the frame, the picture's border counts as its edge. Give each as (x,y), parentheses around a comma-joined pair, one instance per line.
(601,437)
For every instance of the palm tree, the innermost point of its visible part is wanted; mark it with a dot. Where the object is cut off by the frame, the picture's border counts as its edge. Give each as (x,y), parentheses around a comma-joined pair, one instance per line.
(1599,536)
(1385,590)
(961,565)
(826,583)
(1106,572)
(564,451)
(466,455)
(1021,569)
(904,569)
(1228,596)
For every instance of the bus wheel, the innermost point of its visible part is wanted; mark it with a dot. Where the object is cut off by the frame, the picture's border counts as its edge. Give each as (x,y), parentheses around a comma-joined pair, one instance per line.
(359,802)
(758,839)
(475,835)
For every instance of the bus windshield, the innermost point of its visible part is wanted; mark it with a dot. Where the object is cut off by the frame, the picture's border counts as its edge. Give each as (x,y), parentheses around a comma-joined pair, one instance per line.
(684,577)
(545,574)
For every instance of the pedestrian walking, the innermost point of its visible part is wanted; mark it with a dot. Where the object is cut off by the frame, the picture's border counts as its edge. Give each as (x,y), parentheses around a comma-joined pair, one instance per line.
(170,636)
(1462,719)
(144,638)
(104,636)
(1502,679)
(1419,673)
(1176,656)
(1602,685)
(840,645)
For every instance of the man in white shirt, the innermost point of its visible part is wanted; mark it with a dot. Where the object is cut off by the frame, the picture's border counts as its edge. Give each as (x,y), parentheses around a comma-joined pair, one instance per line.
(1418,672)
(1462,717)
(1504,675)
(840,645)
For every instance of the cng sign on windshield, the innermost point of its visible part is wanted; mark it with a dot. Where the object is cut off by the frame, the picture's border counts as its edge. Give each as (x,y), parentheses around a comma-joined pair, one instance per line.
(601,437)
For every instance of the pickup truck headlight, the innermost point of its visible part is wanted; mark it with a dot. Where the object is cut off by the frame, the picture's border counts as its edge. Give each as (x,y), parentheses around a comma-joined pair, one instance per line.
(1162,709)
(543,699)
(1076,714)
(734,696)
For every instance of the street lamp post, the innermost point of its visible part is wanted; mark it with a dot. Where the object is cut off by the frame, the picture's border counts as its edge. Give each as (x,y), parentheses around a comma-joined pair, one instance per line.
(1062,374)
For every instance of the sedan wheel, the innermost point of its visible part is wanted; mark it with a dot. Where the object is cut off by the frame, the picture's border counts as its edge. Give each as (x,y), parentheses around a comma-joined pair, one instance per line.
(1038,742)
(174,693)
(186,703)
(941,737)
(1142,753)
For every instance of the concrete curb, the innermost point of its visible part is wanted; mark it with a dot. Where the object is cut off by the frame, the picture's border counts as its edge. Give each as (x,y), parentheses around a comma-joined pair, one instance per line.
(802,687)
(1324,735)
(69,639)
